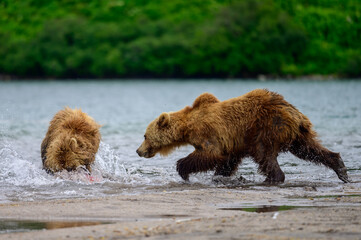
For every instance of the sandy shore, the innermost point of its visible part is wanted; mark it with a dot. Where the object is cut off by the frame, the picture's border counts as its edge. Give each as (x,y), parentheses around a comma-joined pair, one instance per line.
(211,213)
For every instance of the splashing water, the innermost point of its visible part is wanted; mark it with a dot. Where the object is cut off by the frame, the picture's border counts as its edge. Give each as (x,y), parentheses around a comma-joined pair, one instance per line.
(17,171)
(23,180)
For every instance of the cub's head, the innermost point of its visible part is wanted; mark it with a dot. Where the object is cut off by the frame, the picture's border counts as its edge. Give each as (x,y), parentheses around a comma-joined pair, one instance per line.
(69,153)
(160,137)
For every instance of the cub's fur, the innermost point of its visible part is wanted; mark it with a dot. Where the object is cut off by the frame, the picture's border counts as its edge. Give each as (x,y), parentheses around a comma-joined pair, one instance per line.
(72,141)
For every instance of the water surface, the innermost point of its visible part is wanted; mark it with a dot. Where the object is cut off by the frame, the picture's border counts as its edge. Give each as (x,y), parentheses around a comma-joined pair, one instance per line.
(126,108)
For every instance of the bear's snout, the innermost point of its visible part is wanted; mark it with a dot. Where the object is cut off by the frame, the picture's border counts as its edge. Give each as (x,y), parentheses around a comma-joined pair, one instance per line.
(141,154)
(145,152)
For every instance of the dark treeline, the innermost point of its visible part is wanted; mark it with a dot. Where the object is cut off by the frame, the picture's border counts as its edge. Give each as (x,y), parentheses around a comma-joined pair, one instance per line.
(177,38)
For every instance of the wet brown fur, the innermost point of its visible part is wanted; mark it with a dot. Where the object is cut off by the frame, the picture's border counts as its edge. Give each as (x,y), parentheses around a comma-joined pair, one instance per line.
(259,124)
(72,140)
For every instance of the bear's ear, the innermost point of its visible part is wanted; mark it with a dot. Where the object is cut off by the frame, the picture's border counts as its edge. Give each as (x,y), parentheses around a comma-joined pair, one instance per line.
(205,99)
(73,144)
(163,120)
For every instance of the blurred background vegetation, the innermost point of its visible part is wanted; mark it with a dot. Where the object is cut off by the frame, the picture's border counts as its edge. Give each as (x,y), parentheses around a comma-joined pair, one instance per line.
(177,38)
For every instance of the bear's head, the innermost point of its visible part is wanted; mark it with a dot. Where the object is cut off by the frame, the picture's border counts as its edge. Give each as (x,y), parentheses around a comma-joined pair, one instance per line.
(161,136)
(69,153)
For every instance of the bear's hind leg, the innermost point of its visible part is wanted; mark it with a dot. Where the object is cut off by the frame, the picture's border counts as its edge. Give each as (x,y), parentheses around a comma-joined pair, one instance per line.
(196,162)
(313,151)
(268,165)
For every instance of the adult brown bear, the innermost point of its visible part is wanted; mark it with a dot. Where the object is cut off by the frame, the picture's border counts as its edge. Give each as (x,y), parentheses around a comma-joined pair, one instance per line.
(72,141)
(259,124)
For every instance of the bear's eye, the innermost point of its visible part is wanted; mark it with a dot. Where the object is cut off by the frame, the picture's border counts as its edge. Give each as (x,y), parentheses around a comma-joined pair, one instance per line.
(145,137)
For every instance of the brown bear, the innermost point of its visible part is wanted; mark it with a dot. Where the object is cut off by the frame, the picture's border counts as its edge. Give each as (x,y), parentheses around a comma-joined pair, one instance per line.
(72,141)
(259,124)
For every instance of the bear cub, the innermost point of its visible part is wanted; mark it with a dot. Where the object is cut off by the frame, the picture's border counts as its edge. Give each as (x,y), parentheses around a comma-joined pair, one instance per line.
(259,124)
(72,141)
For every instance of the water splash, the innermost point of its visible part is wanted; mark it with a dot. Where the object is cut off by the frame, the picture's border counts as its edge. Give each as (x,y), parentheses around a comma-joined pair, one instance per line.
(24,179)
(16,170)
(109,163)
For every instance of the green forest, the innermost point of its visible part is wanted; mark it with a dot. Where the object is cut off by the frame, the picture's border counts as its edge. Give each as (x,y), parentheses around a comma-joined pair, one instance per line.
(179,39)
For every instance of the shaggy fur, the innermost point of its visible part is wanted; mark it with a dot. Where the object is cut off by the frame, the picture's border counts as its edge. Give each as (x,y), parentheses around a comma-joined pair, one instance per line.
(259,124)
(72,140)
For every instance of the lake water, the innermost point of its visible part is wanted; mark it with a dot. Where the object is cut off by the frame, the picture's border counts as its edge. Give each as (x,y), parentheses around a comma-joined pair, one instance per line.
(125,108)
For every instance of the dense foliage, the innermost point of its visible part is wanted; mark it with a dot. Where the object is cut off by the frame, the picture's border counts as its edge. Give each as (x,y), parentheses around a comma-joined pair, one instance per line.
(177,38)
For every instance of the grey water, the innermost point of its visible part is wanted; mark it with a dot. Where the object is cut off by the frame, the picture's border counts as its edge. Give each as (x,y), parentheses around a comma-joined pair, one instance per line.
(125,108)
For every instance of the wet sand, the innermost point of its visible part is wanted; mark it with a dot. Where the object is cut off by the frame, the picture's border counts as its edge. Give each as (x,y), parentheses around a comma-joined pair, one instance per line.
(315,211)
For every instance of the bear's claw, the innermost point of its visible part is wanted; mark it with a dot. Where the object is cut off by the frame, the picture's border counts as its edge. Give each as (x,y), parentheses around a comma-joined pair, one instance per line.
(183,174)
(182,170)
(342,175)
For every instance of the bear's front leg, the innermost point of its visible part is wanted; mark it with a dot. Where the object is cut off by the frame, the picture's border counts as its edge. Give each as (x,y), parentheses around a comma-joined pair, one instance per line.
(229,166)
(197,161)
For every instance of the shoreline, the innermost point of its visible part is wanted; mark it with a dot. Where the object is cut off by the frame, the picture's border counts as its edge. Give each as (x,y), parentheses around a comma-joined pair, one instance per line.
(260,77)
(217,213)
